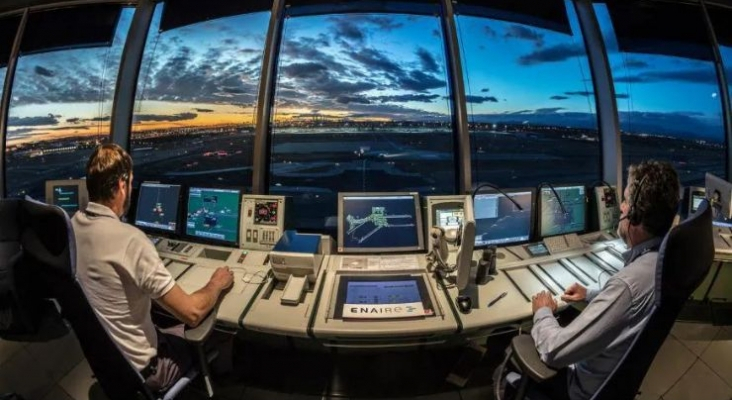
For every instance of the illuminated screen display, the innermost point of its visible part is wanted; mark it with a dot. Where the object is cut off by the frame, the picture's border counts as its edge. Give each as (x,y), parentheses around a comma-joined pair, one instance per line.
(695,201)
(379,223)
(66,197)
(449,217)
(213,214)
(157,206)
(553,220)
(382,292)
(266,212)
(499,221)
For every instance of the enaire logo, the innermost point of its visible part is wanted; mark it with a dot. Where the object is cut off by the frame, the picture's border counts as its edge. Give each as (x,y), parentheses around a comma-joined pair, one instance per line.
(382,310)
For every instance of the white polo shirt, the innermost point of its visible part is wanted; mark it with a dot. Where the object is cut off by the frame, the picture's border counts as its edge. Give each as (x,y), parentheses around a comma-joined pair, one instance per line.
(121,272)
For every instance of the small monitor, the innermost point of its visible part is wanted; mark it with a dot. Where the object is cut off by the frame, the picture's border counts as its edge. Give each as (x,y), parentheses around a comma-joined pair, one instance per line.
(719,193)
(696,195)
(446,212)
(562,215)
(70,195)
(213,215)
(157,207)
(464,260)
(379,223)
(497,219)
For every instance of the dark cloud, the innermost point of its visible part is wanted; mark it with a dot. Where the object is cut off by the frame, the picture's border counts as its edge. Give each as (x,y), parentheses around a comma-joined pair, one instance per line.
(345,29)
(344,99)
(73,120)
(523,33)
(44,71)
(490,31)
(424,98)
(635,64)
(165,118)
(428,61)
(418,81)
(203,110)
(436,33)
(555,53)
(485,90)
(98,119)
(374,60)
(383,23)
(480,99)
(706,75)
(583,93)
(559,97)
(621,96)
(548,110)
(49,119)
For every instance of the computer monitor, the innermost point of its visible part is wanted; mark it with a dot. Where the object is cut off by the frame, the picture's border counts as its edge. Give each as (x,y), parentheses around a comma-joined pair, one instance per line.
(464,260)
(719,193)
(379,223)
(70,194)
(157,207)
(446,212)
(213,215)
(497,219)
(566,214)
(696,195)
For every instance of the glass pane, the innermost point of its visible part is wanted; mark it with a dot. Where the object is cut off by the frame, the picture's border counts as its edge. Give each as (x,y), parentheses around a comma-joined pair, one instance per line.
(531,102)
(723,29)
(361,105)
(666,87)
(196,100)
(60,110)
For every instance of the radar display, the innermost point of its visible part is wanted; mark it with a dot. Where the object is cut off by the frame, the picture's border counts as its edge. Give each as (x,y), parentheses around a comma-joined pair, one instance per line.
(379,222)
(554,221)
(157,206)
(213,214)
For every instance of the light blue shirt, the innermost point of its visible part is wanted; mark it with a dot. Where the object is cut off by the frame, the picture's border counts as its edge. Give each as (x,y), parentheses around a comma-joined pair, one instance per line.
(592,344)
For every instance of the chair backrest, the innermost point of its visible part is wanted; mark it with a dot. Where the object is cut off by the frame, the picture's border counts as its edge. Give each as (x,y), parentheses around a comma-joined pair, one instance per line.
(49,240)
(684,259)
(20,311)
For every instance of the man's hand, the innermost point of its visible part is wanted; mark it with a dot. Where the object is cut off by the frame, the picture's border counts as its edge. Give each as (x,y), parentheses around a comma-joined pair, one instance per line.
(543,299)
(576,292)
(223,278)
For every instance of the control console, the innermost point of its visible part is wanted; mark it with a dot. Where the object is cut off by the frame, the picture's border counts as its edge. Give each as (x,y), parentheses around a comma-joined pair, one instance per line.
(263,220)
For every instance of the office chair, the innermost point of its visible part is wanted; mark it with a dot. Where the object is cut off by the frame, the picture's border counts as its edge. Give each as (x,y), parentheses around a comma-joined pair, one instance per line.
(48,239)
(684,259)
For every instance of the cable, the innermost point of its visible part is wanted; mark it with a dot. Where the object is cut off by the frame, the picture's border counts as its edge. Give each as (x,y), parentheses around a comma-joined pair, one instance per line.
(490,185)
(559,200)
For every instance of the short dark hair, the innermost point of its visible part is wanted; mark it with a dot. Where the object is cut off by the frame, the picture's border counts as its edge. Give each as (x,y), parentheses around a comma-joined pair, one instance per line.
(657,201)
(106,166)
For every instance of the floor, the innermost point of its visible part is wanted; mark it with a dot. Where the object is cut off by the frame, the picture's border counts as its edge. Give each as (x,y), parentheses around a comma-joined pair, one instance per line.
(694,360)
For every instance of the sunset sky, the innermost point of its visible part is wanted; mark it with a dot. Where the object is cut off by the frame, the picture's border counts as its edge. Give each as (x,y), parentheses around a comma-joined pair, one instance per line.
(357,66)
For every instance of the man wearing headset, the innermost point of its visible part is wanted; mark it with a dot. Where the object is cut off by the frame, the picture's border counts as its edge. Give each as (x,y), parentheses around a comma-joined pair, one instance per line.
(594,342)
(121,273)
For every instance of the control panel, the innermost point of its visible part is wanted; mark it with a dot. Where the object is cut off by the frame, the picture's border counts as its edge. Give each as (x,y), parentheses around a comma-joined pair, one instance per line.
(263,220)
(608,207)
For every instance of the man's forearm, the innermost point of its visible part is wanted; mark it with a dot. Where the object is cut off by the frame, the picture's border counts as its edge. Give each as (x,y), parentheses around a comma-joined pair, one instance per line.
(204,300)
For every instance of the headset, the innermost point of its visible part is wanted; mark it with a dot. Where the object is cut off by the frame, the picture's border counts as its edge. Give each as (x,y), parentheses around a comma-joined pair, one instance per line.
(632,215)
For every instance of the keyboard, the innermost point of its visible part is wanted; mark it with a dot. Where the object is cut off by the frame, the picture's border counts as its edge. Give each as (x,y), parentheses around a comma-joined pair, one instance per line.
(563,243)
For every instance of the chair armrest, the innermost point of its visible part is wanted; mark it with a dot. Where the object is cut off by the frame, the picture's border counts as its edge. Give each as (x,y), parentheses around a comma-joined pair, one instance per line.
(527,359)
(200,333)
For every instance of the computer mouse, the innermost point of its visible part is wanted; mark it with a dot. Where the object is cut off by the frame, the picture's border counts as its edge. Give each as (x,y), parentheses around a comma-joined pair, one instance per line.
(464,304)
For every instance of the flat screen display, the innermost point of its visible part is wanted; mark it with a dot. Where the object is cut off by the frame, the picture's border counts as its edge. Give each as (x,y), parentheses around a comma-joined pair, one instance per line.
(567,217)
(213,214)
(66,197)
(379,222)
(157,206)
(382,297)
(498,221)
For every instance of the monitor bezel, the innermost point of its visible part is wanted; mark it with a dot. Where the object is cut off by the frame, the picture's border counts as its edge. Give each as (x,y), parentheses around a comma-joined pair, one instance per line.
(539,209)
(532,217)
(150,229)
(388,250)
(81,187)
(211,241)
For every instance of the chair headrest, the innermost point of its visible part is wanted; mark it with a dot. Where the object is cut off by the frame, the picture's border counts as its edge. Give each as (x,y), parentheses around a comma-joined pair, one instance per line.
(47,235)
